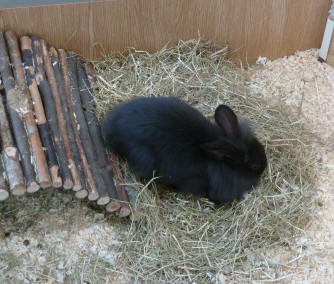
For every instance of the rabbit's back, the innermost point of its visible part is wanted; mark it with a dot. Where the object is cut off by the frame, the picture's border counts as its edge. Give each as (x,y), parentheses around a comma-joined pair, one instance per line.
(157,121)
(162,134)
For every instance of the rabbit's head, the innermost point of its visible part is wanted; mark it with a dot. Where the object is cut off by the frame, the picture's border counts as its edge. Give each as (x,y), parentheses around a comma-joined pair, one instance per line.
(237,145)
(239,158)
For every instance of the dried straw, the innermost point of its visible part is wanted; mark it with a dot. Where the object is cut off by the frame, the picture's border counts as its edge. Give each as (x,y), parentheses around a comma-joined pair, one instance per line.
(187,240)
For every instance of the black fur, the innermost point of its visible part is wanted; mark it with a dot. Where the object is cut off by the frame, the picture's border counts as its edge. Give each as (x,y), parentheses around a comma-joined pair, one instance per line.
(167,137)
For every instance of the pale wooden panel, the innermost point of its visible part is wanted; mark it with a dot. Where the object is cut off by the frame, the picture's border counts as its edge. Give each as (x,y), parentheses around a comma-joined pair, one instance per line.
(330,56)
(271,28)
(28,3)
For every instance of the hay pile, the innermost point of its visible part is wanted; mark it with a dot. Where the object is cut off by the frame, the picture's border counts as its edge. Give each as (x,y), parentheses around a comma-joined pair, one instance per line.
(183,239)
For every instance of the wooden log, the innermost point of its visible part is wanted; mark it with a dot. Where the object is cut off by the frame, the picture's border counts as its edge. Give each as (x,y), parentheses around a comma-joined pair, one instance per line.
(81,183)
(42,124)
(112,163)
(10,156)
(125,205)
(81,194)
(3,183)
(38,154)
(113,206)
(16,110)
(50,111)
(12,165)
(84,132)
(92,190)
(90,71)
(5,133)
(87,102)
(55,88)
(92,76)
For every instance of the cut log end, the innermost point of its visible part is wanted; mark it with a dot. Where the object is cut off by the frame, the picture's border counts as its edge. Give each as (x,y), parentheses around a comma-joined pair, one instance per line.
(103,200)
(18,190)
(3,194)
(77,187)
(68,184)
(57,183)
(81,194)
(125,211)
(93,196)
(113,206)
(45,184)
(33,187)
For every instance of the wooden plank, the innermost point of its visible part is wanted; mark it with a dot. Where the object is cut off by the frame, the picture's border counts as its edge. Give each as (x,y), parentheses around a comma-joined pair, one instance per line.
(271,28)
(330,56)
(26,3)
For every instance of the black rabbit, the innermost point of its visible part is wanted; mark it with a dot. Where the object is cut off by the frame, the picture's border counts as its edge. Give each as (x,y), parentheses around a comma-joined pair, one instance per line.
(167,137)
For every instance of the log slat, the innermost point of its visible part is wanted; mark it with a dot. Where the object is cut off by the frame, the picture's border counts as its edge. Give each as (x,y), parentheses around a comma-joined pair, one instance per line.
(38,154)
(16,110)
(50,111)
(125,205)
(112,162)
(81,183)
(42,124)
(10,156)
(94,129)
(84,132)
(92,189)
(4,194)
(55,88)
(12,166)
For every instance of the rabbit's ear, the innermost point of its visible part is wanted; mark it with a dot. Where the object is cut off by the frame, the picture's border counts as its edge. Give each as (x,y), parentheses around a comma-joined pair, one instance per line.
(221,150)
(228,121)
